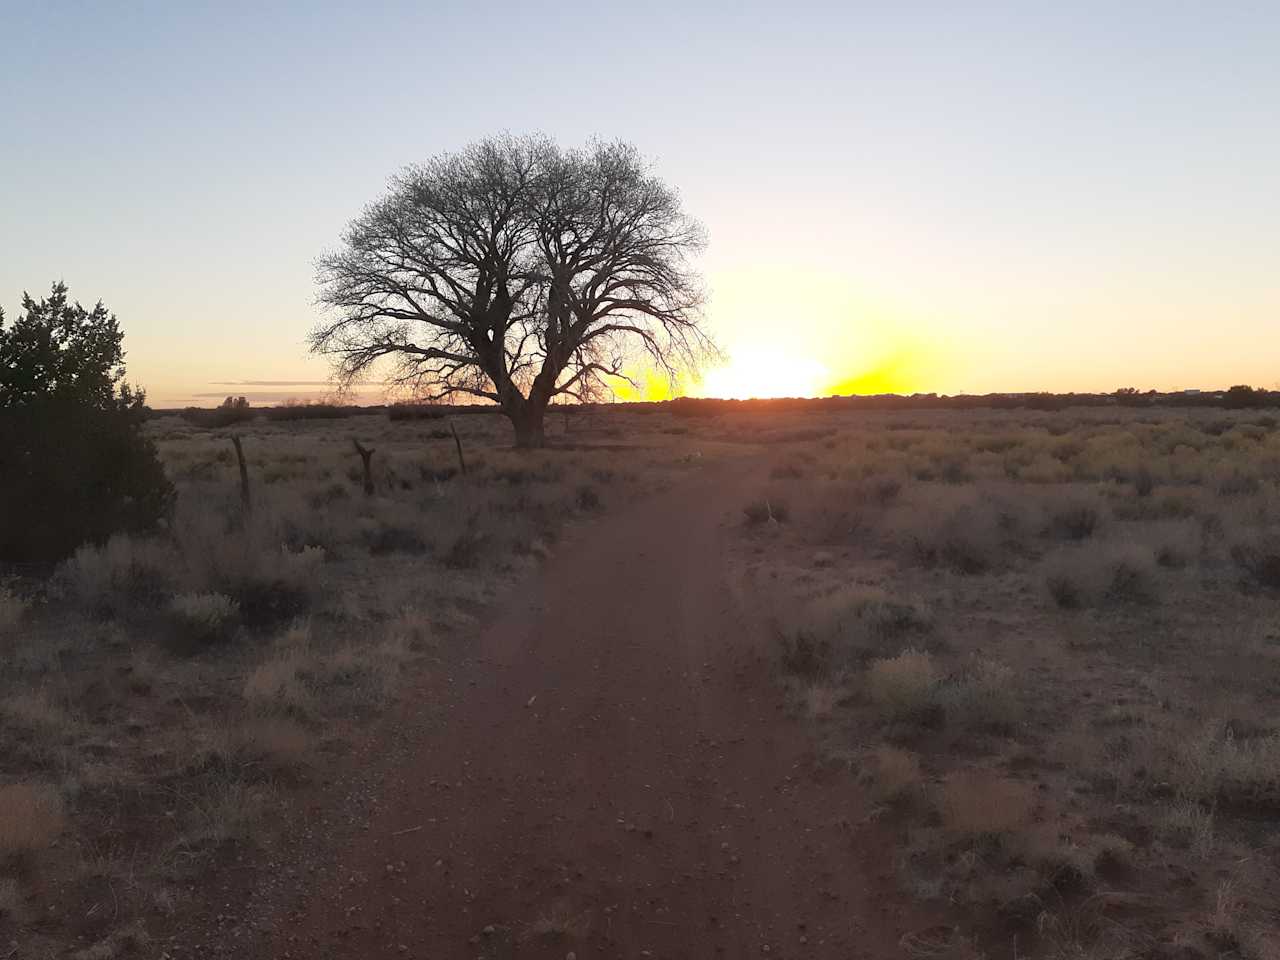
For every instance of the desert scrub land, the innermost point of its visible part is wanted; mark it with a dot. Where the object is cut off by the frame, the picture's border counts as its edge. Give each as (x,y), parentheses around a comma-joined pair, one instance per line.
(164,699)
(1048,644)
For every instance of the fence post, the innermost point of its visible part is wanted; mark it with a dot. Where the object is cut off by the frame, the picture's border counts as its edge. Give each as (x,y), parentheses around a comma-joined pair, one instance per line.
(457,440)
(245,501)
(366,453)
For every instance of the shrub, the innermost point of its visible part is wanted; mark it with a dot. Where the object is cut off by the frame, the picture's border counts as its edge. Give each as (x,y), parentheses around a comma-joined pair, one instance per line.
(1237,483)
(884,490)
(231,411)
(893,774)
(414,411)
(848,627)
(204,618)
(120,577)
(72,474)
(804,653)
(1144,481)
(1259,559)
(309,411)
(384,538)
(587,498)
(1074,519)
(279,586)
(1064,587)
(1130,575)
(903,687)
(270,582)
(1117,573)
(766,510)
(467,548)
(965,535)
(983,696)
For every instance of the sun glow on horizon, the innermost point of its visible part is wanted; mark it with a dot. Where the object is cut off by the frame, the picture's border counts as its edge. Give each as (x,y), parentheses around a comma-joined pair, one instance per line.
(756,373)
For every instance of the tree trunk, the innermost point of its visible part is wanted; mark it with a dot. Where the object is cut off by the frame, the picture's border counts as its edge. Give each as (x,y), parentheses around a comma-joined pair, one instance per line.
(528,424)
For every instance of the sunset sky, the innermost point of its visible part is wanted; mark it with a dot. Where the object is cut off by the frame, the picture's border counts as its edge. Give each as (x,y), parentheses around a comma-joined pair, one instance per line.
(899,197)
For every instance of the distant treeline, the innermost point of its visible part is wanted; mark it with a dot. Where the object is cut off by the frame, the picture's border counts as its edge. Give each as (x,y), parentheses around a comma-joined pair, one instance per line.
(237,410)
(1238,397)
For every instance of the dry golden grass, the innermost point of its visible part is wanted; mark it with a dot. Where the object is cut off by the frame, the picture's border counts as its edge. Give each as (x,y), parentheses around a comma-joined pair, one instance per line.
(1096,591)
(31,817)
(903,687)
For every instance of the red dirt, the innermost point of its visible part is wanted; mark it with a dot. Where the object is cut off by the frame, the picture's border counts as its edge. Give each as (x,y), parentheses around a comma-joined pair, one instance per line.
(614,777)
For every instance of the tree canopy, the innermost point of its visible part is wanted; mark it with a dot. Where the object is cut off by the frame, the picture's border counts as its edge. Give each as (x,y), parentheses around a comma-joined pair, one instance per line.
(75,463)
(60,350)
(516,271)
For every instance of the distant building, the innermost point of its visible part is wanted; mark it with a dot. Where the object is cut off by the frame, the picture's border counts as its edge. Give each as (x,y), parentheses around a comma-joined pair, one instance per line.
(1191,393)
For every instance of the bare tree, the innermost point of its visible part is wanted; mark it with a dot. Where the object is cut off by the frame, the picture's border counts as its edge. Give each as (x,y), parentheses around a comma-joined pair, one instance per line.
(516,272)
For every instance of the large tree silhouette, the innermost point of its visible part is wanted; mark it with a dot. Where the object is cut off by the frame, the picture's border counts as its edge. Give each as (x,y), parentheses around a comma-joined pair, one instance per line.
(516,272)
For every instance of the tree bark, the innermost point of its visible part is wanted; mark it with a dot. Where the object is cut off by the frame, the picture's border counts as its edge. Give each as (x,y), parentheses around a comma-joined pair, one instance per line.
(528,423)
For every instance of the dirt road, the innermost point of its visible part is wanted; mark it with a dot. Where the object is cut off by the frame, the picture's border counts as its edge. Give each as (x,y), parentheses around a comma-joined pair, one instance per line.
(615,778)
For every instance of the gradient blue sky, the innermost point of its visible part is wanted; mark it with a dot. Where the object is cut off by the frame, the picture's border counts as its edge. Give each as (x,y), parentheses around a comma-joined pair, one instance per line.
(927,196)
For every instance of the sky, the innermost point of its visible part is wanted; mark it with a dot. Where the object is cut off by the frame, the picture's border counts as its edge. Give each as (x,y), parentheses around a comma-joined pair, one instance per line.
(932,197)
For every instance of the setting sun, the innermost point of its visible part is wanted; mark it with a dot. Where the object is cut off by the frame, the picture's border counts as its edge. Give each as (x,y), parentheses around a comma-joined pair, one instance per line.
(759,373)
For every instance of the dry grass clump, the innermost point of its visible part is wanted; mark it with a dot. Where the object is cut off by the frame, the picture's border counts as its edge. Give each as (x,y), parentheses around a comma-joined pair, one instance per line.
(229,812)
(204,618)
(1186,824)
(847,627)
(983,696)
(1215,766)
(31,817)
(297,678)
(893,774)
(283,682)
(270,582)
(119,577)
(904,687)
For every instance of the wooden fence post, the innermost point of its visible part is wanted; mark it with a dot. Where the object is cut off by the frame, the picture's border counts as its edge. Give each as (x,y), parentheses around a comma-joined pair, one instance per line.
(245,502)
(366,453)
(457,440)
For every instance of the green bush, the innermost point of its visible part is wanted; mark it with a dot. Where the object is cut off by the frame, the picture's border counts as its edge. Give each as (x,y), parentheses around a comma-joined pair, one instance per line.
(71,474)
(75,466)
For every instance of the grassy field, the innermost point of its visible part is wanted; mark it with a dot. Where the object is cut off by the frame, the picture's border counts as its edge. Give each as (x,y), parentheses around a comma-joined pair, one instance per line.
(1047,643)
